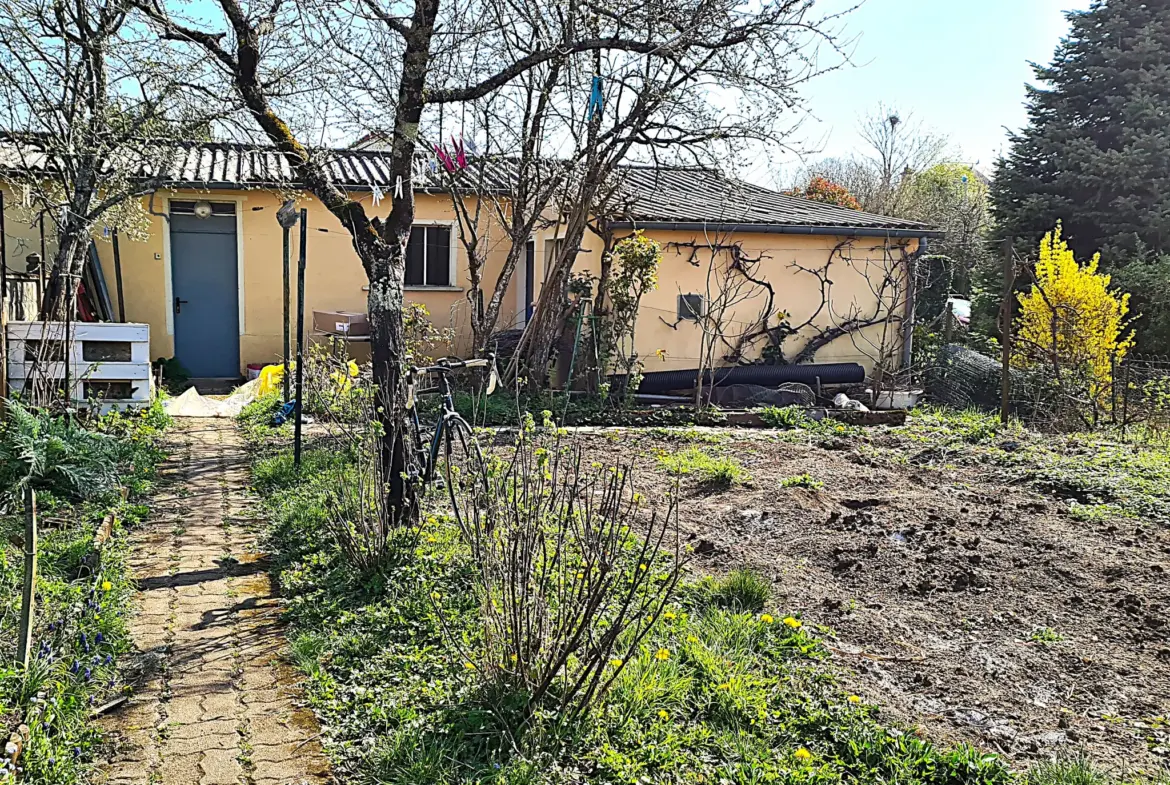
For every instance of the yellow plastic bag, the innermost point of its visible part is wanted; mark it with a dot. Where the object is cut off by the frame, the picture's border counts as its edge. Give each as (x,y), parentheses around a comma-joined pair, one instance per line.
(271,377)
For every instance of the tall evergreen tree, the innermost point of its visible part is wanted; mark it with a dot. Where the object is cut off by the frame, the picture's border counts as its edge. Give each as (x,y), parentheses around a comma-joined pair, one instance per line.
(1095,154)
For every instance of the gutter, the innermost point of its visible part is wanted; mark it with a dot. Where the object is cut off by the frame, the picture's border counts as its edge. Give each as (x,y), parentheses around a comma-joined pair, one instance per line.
(839,231)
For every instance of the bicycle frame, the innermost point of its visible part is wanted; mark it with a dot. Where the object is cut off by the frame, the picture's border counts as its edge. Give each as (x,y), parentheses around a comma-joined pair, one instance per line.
(443,370)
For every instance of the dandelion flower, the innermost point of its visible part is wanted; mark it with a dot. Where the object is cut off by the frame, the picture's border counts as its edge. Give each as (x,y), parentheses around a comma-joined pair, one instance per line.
(662,714)
(795,624)
(668,615)
(642,567)
(802,754)
(662,654)
(616,662)
(855,699)
(766,618)
(106,585)
(469,666)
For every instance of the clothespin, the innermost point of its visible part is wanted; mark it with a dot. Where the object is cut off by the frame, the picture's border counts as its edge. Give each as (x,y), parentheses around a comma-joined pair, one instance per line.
(378,193)
(398,187)
(26,197)
(595,98)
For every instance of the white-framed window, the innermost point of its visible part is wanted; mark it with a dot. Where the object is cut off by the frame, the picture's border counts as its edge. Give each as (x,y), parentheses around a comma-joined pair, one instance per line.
(429,256)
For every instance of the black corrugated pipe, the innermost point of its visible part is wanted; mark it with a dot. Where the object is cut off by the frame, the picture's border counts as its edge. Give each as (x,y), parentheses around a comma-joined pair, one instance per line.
(828,373)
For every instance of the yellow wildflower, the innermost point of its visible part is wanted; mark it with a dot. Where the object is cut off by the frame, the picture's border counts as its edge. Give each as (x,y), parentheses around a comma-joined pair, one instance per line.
(642,567)
(469,666)
(802,754)
(662,714)
(855,699)
(795,624)
(616,662)
(106,585)
(668,615)
(662,654)
(766,618)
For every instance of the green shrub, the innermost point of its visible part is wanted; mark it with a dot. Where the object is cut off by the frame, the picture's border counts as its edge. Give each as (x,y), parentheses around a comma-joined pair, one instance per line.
(711,470)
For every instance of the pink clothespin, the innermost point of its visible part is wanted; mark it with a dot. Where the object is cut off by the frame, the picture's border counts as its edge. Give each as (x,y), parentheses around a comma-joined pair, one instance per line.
(460,153)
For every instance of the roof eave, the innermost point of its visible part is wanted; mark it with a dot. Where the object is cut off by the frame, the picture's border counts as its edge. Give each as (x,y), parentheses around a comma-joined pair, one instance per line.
(777,228)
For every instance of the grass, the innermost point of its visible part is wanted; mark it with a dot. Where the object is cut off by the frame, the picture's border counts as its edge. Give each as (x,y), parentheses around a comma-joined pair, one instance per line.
(715,471)
(741,591)
(80,630)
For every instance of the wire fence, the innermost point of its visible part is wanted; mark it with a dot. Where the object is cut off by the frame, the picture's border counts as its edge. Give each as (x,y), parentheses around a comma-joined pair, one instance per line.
(1133,396)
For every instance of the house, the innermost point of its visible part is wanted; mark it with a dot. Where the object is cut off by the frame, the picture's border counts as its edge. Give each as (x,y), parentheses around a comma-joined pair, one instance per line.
(206,271)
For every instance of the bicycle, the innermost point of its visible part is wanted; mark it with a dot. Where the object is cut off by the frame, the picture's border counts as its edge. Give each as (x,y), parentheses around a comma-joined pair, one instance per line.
(450,428)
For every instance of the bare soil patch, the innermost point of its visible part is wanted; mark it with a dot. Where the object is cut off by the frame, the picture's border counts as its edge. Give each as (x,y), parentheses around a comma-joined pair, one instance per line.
(957,596)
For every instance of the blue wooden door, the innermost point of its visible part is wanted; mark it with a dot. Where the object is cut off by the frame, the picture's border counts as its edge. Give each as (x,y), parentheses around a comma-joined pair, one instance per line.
(206,295)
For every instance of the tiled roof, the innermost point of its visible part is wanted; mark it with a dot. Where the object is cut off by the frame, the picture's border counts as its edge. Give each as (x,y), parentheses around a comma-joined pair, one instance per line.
(651,195)
(692,195)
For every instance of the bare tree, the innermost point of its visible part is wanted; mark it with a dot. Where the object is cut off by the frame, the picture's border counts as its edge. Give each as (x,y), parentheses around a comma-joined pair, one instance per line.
(91,109)
(401,59)
(883,174)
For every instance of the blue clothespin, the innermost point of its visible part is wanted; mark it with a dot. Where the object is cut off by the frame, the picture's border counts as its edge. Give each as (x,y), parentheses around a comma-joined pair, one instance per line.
(595,98)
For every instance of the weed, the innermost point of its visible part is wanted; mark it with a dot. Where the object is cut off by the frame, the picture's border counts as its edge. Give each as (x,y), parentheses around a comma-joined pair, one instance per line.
(742,591)
(805,480)
(710,470)
(787,417)
(1045,636)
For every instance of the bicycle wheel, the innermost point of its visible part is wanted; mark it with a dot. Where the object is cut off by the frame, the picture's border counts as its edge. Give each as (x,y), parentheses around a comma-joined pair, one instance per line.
(463,467)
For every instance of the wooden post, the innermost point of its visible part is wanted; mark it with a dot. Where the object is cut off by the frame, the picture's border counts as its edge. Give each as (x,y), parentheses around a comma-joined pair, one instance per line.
(1005,330)
(28,599)
(300,339)
(948,324)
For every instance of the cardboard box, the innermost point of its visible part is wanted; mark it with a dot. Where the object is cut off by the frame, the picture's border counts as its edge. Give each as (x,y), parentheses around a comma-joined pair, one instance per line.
(341,323)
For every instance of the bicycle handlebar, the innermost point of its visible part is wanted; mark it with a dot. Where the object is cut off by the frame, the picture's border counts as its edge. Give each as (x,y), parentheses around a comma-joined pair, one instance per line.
(445,366)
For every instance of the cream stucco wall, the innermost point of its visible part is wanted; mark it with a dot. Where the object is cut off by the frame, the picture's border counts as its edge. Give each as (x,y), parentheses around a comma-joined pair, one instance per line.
(334,278)
(336,281)
(858,265)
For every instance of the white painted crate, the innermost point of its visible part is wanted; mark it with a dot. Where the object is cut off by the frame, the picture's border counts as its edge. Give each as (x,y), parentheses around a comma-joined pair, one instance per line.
(101,357)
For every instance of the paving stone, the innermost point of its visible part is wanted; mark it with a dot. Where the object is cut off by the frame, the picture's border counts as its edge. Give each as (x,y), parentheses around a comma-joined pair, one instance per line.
(207,634)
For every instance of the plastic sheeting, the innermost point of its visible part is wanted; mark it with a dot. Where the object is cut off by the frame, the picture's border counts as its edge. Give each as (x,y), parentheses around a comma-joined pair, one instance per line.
(192,404)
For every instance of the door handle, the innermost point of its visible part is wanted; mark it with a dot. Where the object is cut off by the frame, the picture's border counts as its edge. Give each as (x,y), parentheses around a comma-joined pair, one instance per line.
(179,305)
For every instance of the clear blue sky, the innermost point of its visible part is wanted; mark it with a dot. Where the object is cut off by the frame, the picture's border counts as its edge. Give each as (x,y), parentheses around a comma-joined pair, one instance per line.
(958,66)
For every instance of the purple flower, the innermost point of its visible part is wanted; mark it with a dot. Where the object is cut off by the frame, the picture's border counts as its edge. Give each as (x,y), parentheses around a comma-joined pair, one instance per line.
(98,638)
(75,667)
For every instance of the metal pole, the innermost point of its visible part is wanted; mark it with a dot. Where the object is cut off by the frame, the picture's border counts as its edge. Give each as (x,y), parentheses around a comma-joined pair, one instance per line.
(28,599)
(117,277)
(3,304)
(41,269)
(285,346)
(300,338)
(1005,331)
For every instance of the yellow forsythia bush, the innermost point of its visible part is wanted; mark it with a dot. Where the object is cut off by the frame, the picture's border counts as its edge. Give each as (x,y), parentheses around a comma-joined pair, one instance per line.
(1071,319)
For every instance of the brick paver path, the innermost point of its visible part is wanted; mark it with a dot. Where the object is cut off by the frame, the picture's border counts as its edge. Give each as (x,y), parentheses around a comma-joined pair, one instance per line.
(215,704)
